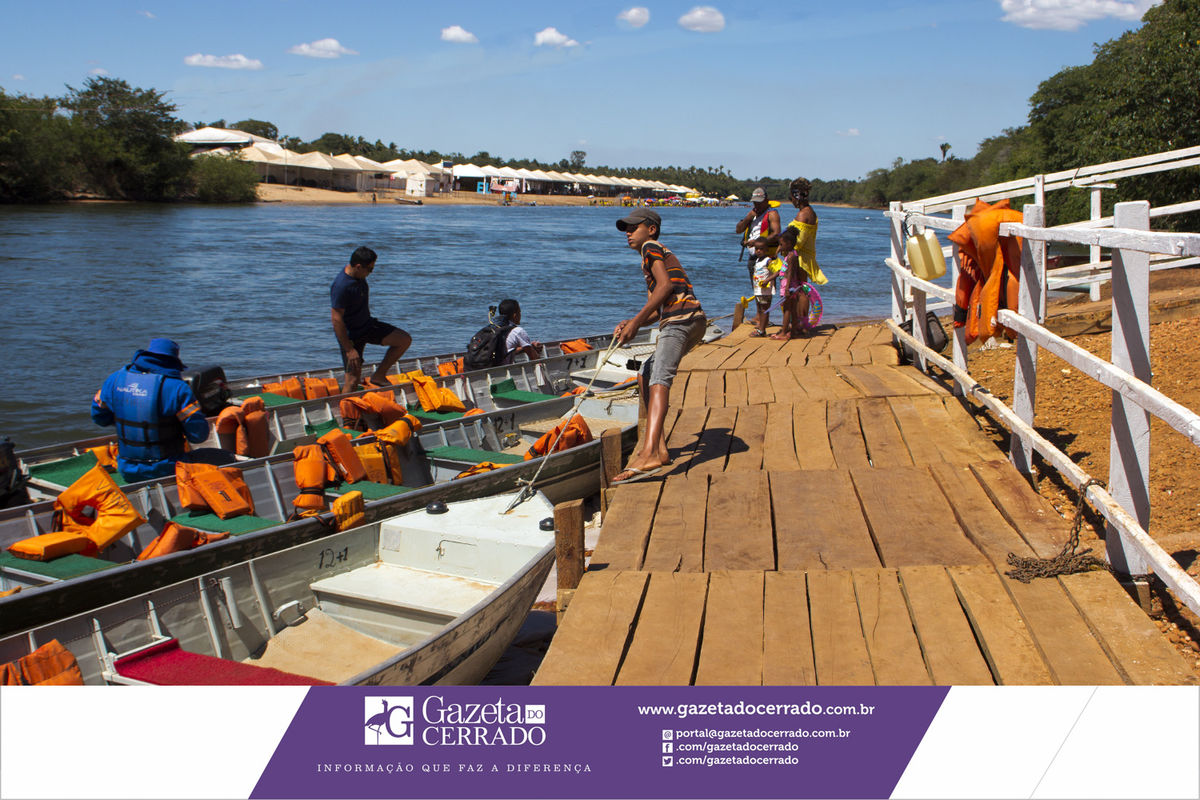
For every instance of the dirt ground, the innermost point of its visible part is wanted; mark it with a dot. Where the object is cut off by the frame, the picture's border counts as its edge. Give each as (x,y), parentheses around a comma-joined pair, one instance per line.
(1074,412)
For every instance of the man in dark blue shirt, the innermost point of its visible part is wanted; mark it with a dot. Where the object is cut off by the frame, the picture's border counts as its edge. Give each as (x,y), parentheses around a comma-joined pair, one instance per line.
(355,327)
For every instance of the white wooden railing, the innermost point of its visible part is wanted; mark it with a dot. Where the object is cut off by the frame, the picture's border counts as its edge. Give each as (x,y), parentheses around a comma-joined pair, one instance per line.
(1136,251)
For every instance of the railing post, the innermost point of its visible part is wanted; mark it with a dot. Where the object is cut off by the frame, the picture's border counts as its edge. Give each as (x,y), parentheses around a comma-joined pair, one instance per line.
(1094,250)
(898,254)
(1029,305)
(959,352)
(1129,440)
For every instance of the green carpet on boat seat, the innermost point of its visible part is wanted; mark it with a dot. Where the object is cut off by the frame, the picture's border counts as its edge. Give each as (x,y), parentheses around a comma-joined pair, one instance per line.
(235,525)
(507,390)
(271,400)
(472,457)
(60,568)
(370,490)
(322,428)
(432,416)
(66,471)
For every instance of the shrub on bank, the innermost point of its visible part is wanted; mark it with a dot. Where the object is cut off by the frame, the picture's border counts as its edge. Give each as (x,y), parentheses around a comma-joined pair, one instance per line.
(224,179)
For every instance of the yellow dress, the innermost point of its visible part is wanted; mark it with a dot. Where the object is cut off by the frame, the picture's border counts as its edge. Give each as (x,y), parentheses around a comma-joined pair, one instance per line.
(806,251)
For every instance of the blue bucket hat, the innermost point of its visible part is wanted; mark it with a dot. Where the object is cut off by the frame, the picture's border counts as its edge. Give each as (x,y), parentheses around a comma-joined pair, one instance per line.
(165,351)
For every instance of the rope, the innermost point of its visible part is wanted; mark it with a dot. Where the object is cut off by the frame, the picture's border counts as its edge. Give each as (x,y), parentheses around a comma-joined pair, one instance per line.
(1068,561)
(526,490)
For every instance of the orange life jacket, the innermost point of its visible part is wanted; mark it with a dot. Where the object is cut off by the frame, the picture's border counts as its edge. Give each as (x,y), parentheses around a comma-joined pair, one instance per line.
(575,346)
(399,432)
(312,473)
(50,546)
(49,665)
(989,272)
(176,538)
(248,425)
(575,391)
(348,510)
(478,469)
(106,455)
(221,490)
(293,388)
(450,367)
(114,516)
(340,453)
(315,388)
(575,431)
(435,398)
(374,462)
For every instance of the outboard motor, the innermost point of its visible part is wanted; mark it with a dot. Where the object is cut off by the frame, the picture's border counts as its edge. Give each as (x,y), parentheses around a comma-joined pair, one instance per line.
(209,387)
(12,482)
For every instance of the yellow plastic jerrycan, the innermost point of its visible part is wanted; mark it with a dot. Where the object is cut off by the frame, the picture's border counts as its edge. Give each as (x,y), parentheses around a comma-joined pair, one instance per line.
(925,255)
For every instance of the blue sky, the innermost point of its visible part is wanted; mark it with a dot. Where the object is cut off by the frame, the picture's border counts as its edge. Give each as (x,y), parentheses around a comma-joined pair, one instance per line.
(822,89)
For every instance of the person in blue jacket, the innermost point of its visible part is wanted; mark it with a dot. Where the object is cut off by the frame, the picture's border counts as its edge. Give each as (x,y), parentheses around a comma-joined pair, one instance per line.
(153,410)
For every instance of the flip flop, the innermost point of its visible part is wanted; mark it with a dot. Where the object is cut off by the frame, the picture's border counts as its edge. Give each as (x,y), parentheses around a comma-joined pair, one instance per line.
(370,384)
(756,333)
(638,475)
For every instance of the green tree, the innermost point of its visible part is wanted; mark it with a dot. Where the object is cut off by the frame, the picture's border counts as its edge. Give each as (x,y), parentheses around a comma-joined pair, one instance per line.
(224,179)
(577,159)
(36,156)
(257,127)
(124,137)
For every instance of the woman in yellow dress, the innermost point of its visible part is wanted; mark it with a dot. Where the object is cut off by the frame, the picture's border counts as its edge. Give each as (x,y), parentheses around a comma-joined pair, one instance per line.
(805,224)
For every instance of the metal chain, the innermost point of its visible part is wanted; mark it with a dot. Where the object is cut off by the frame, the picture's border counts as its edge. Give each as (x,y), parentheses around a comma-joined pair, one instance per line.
(1068,561)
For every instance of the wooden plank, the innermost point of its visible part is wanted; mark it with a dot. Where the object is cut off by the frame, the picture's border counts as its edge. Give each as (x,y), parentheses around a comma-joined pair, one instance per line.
(811,436)
(947,640)
(678,390)
(737,358)
(766,348)
(787,638)
(736,388)
(816,359)
(824,383)
(839,648)
(1068,646)
(714,395)
(840,358)
(686,432)
(779,446)
(677,532)
(737,529)
(713,444)
(666,641)
(785,387)
(732,644)
(1127,635)
(589,644)
(957,440)
(845,435)
(841,339)
(910,520)
(780,358)
(972,435)
(1027,511)
(861,355)
(696,395)
(759,389)
(819,523)
(876,381)
(749,434)
(626,528)
(891,641)
(1003,637)
(920,378)
(885,444)
(884,355)
(985,526)
(919,437)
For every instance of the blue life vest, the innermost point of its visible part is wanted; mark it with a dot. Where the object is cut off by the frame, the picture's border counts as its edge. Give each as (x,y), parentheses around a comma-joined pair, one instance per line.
(144,434)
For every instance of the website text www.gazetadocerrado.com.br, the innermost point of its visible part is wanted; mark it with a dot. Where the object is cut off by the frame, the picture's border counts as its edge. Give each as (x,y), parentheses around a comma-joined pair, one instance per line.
(745,745)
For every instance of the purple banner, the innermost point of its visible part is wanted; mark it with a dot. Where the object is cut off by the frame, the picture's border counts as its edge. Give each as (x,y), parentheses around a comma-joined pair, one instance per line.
(594,742)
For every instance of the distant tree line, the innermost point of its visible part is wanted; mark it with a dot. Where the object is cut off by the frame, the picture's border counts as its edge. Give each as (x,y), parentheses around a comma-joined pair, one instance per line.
(1139,95)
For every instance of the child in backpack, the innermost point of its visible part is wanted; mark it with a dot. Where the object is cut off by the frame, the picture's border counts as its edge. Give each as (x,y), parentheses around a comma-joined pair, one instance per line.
(518,340)
(671,301)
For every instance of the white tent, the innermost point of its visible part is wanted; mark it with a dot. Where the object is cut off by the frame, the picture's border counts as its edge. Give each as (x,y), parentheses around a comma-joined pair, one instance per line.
(219,137)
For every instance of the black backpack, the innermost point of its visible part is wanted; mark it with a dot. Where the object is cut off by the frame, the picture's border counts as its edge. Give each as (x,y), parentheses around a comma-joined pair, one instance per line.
(487,348)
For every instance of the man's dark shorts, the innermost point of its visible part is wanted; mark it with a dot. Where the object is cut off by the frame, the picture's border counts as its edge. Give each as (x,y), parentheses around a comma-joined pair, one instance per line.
(375,332)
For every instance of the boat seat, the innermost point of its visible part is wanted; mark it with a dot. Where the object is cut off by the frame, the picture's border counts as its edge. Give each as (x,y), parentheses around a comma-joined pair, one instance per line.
(398,586)
(433,416)
(507,390)
(370,490)
(236,526)
(272,400)
(61,568)
(470,457)
(322,428)
(63,472)
(164,663)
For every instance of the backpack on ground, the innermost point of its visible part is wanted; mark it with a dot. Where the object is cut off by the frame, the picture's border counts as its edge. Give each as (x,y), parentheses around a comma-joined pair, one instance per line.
(487,348)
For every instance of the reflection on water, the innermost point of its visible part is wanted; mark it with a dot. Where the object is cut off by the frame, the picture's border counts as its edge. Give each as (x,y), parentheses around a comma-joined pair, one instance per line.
(248,287)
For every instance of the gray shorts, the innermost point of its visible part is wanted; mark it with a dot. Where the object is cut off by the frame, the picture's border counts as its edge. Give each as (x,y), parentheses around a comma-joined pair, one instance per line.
(674,341)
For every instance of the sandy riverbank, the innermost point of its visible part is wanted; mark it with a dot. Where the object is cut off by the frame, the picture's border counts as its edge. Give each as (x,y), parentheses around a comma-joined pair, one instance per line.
(297,195)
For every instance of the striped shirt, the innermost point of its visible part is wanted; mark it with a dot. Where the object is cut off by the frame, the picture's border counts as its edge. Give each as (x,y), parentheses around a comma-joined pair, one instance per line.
(681,305)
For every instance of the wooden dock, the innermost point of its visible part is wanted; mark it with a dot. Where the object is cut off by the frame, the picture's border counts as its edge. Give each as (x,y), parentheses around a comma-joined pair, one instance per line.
(833,518)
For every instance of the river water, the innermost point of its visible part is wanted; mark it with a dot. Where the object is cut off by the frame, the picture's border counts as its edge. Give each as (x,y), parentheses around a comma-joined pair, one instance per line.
(247,287)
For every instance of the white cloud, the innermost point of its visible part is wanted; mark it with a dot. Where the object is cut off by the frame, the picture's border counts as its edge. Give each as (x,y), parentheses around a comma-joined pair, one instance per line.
(850,132)
(703,19)
(1069,15)
(147,15)
(236,61)
(635,17)
(98,71)
(552,37)
(18,77)
(322,48)
(459,35)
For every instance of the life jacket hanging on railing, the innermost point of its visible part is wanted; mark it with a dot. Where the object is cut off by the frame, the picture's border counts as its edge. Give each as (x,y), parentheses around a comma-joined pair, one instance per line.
(989,270)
